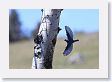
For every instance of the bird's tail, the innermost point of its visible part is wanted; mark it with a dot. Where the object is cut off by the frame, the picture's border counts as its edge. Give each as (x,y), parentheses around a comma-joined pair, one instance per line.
(76,40)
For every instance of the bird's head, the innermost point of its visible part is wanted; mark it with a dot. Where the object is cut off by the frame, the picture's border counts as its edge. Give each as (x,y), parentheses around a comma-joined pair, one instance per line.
(66,40)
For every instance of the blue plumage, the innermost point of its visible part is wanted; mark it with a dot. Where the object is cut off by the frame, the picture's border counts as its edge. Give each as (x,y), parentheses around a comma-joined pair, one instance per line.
(70,41)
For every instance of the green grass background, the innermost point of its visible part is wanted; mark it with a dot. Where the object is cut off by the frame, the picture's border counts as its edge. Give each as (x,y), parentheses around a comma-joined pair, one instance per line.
(21,53)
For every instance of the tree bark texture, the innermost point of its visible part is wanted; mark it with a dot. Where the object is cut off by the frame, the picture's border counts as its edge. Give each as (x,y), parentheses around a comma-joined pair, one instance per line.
(46,39)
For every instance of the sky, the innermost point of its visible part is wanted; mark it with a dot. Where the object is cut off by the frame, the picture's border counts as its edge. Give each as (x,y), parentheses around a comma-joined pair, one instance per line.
(86,20)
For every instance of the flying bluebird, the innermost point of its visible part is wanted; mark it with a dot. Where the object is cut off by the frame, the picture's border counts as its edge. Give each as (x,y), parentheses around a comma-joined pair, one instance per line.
(70,41)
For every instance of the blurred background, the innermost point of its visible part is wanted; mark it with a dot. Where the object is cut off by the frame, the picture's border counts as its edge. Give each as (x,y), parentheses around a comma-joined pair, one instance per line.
(84,24)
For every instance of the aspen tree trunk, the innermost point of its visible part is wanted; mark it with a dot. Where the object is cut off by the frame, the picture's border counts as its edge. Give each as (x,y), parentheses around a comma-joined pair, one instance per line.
(46,39)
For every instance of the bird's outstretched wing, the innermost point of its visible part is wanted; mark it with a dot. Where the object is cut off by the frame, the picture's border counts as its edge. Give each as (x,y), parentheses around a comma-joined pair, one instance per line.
(68,49)
(69,33)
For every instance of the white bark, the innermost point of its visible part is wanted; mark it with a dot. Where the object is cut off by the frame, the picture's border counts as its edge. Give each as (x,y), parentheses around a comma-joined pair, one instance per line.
(49,29)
